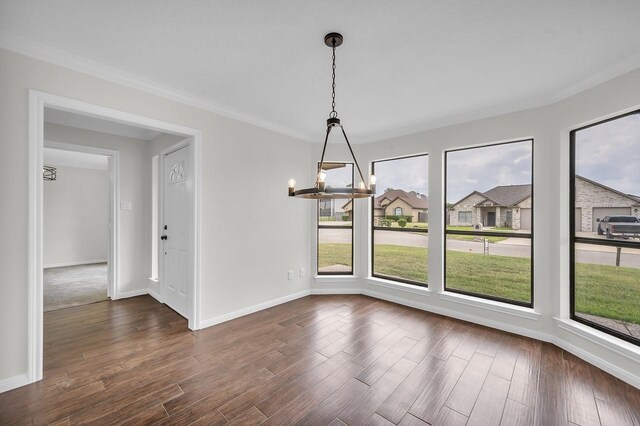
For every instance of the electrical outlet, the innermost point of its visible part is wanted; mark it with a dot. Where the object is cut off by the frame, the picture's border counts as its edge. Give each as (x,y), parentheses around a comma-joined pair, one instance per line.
(290,275)
(302,272)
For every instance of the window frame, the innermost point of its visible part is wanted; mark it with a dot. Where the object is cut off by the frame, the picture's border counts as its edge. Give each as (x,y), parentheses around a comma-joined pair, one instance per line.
(319,226)
(573,239)
(373,228)
(529,235)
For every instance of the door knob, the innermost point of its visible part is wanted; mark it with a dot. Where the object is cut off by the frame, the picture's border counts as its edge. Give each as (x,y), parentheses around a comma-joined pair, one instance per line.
(164,237)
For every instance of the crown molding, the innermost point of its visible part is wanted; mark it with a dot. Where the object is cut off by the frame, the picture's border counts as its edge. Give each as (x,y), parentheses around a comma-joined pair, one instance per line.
(73,62)
(64,59)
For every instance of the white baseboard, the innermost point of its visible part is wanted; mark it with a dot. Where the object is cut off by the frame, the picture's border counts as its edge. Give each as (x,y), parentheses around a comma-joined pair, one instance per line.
(132,293)
(251,309)
(14,382)
(337,290)
(155,295)
(76,263)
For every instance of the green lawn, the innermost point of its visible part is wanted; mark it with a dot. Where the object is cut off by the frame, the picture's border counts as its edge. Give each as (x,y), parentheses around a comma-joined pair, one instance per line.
(608,291)
(472,237)
(334,254)
(605,291)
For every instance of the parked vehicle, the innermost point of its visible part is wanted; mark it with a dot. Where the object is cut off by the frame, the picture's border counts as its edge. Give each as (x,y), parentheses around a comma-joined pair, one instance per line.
(619,226)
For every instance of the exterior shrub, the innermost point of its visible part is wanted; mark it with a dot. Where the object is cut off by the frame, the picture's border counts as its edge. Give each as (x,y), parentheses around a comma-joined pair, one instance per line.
(402,223)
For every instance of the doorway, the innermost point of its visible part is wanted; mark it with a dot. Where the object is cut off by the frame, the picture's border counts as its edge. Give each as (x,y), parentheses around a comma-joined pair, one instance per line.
(78,194)
(491,219)
(175,211)
(38,101)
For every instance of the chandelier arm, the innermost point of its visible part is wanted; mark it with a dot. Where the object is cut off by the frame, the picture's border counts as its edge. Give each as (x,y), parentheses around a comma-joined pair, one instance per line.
(324,149)
(352,154)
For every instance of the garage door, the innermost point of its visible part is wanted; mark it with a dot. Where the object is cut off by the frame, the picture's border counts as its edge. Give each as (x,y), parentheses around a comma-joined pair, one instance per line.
(578,219)
(525,219)
(601,212)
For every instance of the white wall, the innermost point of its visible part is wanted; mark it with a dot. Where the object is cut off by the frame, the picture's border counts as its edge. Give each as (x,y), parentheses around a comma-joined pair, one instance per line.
(76,217)
(549,126)
(251,232)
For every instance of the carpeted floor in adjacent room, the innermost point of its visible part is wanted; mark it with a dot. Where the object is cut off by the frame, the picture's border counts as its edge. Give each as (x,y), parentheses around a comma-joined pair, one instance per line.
(74,285)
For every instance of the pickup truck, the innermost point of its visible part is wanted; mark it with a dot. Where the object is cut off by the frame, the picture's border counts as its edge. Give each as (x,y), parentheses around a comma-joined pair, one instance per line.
(619,226)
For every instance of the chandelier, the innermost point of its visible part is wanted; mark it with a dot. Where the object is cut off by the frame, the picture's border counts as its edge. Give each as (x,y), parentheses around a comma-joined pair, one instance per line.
(320,190)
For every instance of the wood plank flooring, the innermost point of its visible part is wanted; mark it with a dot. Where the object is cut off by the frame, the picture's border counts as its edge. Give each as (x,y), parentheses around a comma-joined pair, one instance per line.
(319,360)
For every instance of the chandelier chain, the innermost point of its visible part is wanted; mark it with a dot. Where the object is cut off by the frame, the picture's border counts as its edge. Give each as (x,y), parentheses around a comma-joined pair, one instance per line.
(333,112)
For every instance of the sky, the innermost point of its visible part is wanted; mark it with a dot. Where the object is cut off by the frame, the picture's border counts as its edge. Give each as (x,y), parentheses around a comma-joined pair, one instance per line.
(609,153)
(409,174)
(483,168)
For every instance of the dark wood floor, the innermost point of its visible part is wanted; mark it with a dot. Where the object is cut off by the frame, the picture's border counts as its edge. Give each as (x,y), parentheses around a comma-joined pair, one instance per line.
(315,361)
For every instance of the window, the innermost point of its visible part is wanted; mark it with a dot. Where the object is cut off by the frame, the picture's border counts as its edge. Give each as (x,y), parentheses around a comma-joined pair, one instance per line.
(488,238)
(399,244)
(335,224)
(464,217)
(605,226)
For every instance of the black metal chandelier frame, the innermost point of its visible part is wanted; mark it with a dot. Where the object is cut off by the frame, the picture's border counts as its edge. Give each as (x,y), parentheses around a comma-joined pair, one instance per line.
(320,190)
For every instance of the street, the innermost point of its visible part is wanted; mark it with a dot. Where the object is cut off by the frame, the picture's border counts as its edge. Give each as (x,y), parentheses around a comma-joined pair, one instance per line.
(517,247)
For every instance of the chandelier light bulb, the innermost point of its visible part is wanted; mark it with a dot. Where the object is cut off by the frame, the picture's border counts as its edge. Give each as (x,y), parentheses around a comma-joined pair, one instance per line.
(292,186)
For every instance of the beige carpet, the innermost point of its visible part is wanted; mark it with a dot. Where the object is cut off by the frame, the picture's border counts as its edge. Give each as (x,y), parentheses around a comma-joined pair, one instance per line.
(74,285)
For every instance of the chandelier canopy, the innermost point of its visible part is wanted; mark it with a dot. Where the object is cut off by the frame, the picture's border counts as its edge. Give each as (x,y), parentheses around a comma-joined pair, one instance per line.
(320,190)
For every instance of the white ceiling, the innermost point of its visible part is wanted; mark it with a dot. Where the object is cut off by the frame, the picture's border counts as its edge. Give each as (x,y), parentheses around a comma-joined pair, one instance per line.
(97,124)
(63,158)
(405,65)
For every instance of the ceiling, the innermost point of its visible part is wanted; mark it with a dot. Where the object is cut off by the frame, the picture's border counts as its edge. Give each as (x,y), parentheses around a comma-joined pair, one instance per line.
(405,65)
(82,160)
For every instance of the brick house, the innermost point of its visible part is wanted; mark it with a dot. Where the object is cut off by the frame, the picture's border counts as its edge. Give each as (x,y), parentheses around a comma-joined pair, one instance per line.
(397,202)
(595,201)
(510,206)
(505,206)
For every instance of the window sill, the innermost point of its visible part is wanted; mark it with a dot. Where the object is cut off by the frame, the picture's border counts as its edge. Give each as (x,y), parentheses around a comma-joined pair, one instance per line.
(619,346)
(491,305)
(335,278)
(394,285)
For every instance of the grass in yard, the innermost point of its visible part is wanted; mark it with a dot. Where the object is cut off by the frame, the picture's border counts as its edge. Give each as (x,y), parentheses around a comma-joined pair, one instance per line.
(608,291)
(334,254)
(601,290)
(472,237)
(498,276)
(409,263)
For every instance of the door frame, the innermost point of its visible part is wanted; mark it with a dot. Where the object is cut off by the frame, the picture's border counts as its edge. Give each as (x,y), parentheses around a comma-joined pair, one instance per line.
(161,204)
(37,102)
(114,201)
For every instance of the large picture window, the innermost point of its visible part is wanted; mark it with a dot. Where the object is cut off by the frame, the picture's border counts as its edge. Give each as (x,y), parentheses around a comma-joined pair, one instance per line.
(335,224)
(605,226)
(489,221)
(400,220)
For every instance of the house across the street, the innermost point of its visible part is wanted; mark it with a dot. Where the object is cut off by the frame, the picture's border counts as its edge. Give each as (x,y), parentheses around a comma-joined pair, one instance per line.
(509,206)
(396,202)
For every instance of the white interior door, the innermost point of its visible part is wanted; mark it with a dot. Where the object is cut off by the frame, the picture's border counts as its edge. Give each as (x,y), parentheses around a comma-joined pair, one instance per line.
(177,185)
